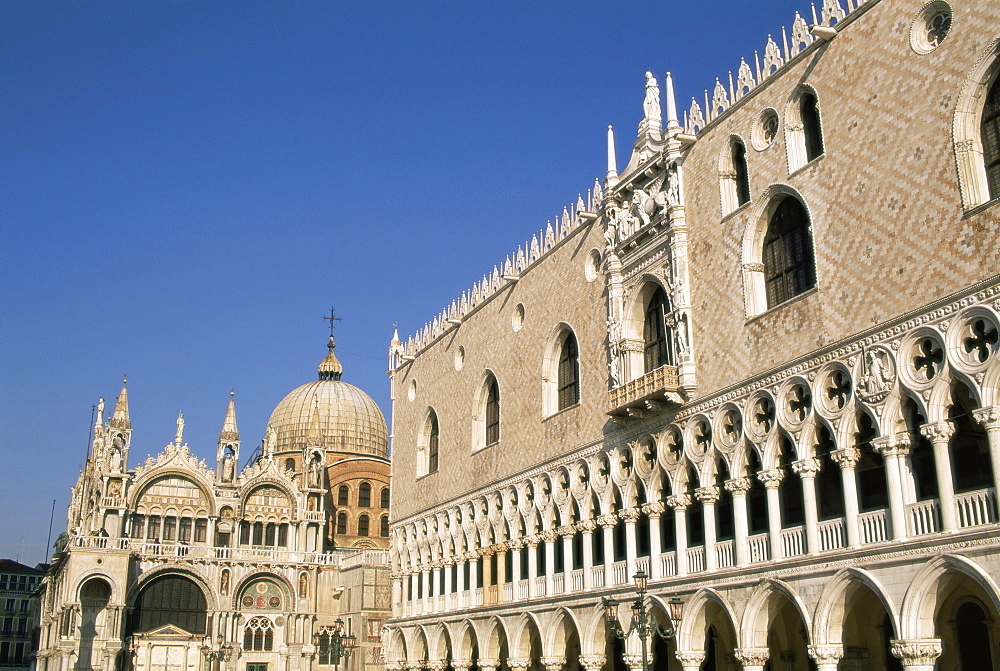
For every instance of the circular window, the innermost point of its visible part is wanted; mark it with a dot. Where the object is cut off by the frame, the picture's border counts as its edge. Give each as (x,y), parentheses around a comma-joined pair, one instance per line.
(411,390)
(931,27)
(459,358)
(592,265)
(517,319)
(766,130)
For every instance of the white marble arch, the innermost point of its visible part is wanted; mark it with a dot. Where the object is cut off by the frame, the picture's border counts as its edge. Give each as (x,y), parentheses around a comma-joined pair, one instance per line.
(396,648)
(465,638)
(116,590)
(559,626)
(592,630)
(495,634)
(828,618)
(756,619)
(966,128)
(695,622)
(439,646)
(922,598)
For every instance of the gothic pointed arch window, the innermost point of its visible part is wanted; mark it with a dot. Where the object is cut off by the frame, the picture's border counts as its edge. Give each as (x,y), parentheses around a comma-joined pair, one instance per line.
(803,128)
(560,371)
(787,254)
(655,337)
(428,445)
(258,635)
(492,411)
(734,176)
(976,131)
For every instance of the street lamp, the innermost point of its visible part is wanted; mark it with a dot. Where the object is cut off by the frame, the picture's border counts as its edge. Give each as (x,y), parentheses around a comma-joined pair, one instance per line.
(643,623)
(338,645)
(223,651)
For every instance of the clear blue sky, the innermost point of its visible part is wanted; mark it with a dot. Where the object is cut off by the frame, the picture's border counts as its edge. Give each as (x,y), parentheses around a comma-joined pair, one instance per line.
(187,187)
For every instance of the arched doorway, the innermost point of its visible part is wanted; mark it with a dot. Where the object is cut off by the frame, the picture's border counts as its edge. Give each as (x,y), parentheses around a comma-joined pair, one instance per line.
(168,622)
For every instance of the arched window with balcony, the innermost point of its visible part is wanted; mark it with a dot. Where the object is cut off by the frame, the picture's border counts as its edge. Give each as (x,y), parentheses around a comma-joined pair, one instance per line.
(655,336)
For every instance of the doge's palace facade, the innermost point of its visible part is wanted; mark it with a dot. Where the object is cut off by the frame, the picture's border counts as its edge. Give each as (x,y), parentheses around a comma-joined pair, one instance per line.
(758,363)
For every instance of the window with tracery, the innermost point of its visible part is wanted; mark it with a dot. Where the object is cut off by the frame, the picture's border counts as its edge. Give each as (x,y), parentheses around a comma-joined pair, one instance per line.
(569,372)
(789,267)
(258,635)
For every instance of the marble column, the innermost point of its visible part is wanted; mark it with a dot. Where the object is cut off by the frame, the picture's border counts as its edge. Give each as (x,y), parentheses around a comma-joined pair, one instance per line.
(739,487)
(680,502)
(807,469)
(846,459)
(940,433)
(532,543)
(707,496)
(629,517)
(608,523)
(653,511)
(515,545)
(446,589)
(918,654)
(549,537)
(989,418)
(771,478)
(893,449)
(586,528)
(567,532)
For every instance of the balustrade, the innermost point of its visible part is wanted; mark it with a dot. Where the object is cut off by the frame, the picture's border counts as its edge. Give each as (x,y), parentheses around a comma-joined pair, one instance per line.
(577,577)
(619,572)
(668,564)
(597,577)
(540,586)
(522,589)
(696,559)
(831,535)
(923,517)
(724,552)
(758,548)
(793,541)
(873,527)
(976,508)
(559,583)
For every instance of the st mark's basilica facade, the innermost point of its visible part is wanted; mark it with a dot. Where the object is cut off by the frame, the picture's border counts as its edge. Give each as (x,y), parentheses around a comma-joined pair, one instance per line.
(174,564)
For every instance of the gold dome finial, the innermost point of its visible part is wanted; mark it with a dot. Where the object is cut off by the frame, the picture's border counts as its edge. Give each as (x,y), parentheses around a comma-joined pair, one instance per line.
(330,368)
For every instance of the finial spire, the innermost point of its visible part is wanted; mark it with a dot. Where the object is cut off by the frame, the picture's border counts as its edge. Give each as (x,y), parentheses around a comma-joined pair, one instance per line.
(612,163)
(229,429)
(121,420)
(673,123)
(314,436)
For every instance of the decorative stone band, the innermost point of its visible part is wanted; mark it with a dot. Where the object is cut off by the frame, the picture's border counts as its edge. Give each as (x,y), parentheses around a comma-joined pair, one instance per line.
(917,654)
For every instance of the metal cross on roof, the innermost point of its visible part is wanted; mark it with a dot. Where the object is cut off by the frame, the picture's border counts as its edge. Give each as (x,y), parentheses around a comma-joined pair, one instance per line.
(333,318)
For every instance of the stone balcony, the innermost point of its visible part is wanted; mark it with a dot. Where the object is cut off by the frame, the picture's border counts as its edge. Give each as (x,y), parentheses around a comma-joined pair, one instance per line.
(649,393)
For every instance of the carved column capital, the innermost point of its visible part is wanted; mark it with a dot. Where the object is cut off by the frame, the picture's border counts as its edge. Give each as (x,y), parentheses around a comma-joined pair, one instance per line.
(532,541)
(806,468)
(738,485)
(487,664)
(826,655)
(607,521)
(629,514)
(553,663)
(461,664)
(653,509)
(896,445)
(436,665)
(566,530)
(771,477)
(414,665)
(515,544)
(707,494)
(938,432)
(690,659)
(519,662)
(633,661)
(592,662)
(847,457)
(989,417)
(586,526)
(550,535)
(752,656)
(916,652)
(679,501)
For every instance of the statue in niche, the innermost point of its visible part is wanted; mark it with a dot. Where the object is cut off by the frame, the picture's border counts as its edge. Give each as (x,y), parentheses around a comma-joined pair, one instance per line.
(303,585)
(651,105)
(877,376)
(115,488)
(115,457)
(224,583)
(682,339)
(673,186)
(228,467)
(315,471)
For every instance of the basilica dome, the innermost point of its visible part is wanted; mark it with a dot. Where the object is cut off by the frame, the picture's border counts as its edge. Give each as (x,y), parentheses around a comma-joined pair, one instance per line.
(328,413)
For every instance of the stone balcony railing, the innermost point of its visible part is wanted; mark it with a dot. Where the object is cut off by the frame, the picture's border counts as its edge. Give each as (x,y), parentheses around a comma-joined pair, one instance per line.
(645,394)
(153,549)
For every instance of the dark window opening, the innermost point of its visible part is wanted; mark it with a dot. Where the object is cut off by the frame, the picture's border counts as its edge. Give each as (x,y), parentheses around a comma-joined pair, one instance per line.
(492,411)
(655,337)
(789,267)
(569,373)
(742,174)
(811,126)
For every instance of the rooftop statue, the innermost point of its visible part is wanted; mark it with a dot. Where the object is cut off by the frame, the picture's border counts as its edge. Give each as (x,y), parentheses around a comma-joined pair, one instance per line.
(651,105)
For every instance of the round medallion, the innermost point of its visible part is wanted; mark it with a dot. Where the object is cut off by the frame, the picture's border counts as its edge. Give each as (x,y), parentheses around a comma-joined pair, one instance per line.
(247,601)
(274,602)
